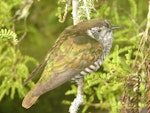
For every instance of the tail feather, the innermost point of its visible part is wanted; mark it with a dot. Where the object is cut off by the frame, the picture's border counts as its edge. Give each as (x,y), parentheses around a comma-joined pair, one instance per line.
(30,99)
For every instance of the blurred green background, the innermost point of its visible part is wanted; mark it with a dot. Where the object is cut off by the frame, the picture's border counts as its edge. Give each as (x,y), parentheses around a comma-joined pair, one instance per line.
(43,28)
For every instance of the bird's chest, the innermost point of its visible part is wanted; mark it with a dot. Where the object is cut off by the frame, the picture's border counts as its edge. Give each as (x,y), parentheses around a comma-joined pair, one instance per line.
(94,66)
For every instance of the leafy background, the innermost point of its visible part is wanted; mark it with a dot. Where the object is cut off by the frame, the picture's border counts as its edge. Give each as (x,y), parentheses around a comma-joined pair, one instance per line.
(120,84)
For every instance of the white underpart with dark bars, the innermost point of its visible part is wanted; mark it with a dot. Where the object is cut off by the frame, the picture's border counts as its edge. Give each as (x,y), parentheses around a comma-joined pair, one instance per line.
(92,68)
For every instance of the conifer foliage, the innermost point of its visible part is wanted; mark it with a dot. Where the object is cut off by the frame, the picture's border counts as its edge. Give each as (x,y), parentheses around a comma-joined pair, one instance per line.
(121,85)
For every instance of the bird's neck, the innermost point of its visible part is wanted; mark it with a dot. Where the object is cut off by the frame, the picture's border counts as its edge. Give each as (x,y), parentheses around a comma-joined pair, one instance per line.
(107,44)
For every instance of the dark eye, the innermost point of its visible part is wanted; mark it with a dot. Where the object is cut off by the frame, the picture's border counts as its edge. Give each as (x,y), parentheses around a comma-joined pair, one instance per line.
(99,30)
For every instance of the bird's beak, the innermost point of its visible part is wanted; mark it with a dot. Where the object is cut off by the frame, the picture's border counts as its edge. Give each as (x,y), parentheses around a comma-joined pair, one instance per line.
(115,27)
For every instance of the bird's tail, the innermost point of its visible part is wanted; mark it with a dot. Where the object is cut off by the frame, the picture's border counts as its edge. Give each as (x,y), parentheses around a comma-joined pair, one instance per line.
(30,99)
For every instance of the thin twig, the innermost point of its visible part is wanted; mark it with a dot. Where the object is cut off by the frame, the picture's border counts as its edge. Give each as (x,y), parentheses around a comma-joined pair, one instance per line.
(23,12)
(144,37)
(135,101)
(22,36)
(66,11)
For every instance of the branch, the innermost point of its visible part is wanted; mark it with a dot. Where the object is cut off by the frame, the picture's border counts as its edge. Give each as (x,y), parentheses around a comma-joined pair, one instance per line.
(75,6)
(23,12)
(76,18)
(87,9)
(66,11)
(79,99)
(144,37)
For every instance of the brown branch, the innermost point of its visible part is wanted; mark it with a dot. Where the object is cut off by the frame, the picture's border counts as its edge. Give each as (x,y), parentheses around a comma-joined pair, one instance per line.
(66,11)
(131,103)
(22,36)
(147,64)
(142,42)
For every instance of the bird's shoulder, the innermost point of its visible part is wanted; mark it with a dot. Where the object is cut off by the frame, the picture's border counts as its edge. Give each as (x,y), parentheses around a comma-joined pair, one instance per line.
(73,47)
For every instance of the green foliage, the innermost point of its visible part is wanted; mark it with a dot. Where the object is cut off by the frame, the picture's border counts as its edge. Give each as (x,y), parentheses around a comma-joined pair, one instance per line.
(6,11)
(117,81)
(84,6)
(21,38)
(118,76)
(6,35)
(61,9)
(13,65)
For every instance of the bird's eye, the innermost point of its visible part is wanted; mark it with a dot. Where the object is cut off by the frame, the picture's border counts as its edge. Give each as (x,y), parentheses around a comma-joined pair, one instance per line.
(99,30)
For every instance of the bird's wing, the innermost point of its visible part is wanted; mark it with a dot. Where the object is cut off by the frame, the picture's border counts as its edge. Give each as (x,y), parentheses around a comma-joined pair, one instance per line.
(68,58)
(34,72)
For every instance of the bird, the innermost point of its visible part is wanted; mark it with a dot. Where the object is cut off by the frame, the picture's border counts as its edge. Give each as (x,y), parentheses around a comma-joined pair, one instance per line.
(79,50)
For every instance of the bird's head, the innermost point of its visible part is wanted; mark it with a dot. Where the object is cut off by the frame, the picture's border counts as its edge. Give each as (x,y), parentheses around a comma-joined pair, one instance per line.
(101,30)
(98,29)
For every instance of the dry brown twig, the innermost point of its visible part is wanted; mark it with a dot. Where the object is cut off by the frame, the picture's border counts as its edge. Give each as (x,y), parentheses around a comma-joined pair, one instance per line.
(138,66)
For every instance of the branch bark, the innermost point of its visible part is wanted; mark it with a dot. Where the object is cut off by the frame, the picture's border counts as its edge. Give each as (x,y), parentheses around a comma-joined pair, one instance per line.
(75,6)
(79,98)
